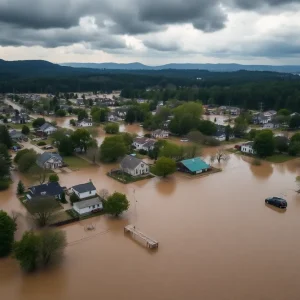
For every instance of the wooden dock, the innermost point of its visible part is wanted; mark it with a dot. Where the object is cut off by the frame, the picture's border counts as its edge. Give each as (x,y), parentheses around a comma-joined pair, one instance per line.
(138,235)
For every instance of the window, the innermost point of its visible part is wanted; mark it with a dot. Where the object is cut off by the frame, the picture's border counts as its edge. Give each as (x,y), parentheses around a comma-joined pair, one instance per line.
(93,206)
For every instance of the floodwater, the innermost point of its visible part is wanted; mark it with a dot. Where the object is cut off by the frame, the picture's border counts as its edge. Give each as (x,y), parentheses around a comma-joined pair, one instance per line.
(217,240)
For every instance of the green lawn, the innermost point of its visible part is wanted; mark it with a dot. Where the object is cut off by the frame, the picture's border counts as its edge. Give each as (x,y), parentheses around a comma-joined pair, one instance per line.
(19,126)
(279,158)
(75,162)
(126,178)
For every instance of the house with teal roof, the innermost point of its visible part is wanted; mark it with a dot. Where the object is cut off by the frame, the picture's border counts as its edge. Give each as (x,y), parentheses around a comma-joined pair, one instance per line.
(193,166)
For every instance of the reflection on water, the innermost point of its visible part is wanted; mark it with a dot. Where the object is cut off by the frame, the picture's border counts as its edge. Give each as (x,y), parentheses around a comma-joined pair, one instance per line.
(214,231)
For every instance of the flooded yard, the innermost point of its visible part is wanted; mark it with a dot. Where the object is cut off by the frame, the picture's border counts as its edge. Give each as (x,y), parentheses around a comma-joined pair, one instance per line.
(217,239)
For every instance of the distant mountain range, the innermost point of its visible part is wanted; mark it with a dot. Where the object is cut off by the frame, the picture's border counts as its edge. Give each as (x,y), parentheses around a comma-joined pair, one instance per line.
(209,67)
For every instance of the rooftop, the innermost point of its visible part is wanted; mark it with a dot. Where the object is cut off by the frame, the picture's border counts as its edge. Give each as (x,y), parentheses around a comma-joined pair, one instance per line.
(46,189)
(84,187)
(195,164)
(130,162)
(46,156)
(46,126)
(87,203)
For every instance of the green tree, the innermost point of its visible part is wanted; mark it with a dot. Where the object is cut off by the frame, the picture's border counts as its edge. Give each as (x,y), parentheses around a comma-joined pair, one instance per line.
(252,134)
(240,126)
(116,204)
(111,128)
(164,166)
(207,127)
(72,122)
(20,188)
(52,244)
(65,146)
(74,198)
(38,122)
(42,209)
(26,251)
(295,138)
(294,148)
(27,161)
(228,132)
(264,144)
(82,114)
(61,113)
(112,149)
(53,178)
(281,143)
(99,115)
(20,154)
(25,129)
(7,231)
(5,137)
(81,138)
(283,112)
(171,150)
(294,122)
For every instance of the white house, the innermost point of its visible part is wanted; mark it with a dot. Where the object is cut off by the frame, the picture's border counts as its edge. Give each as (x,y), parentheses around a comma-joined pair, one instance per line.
(47,128)
(49,160)
(134,166)
(88,206)
(160,134)
(143,143)
(248,148)
(84,190)
(85,123)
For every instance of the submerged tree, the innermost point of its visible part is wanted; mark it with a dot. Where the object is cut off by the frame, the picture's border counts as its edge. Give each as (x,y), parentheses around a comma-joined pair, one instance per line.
(20,188)
(116,204)
(7,231)
(220,155)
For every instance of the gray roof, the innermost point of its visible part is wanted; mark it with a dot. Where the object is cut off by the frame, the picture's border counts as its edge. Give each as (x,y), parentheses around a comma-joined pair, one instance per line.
(46,156)
(130,162)
(84,187)
(14,134)
(140,140)
(149,143)
(45,126)
(87,203)
(250,144)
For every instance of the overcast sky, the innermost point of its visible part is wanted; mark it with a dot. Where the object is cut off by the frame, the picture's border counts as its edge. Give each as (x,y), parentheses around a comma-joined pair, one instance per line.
(151,31)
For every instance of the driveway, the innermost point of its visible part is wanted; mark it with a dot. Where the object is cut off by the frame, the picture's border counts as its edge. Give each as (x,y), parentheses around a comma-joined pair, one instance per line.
(28,145)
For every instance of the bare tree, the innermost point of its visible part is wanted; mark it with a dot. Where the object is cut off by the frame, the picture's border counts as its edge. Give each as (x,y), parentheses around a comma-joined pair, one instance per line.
(42,209)
(41,173)
(104,194)
(220,155)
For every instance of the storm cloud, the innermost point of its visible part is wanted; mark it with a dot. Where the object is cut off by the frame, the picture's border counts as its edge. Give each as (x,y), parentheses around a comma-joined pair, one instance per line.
(142,26)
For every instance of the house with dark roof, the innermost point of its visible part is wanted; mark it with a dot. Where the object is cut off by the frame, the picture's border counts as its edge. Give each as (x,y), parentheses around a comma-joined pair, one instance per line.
(193,166)
(47,128)
(84,190)
(87,206)
(49,160)
(17,136)
(134,166)
(47,189)
(20,119)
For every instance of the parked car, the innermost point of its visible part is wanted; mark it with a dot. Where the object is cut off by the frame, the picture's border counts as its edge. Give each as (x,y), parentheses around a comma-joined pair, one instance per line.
(276,201)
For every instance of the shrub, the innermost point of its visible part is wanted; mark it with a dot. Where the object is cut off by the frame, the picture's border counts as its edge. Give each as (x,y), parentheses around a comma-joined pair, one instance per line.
(53,178)
(74,198)
(41,143)
(143,152)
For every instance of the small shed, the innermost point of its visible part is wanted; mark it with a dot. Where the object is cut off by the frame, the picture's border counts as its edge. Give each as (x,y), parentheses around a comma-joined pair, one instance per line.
(193,166)
(88,206)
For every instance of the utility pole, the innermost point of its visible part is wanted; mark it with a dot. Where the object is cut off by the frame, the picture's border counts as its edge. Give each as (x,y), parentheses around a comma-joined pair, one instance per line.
(261,105)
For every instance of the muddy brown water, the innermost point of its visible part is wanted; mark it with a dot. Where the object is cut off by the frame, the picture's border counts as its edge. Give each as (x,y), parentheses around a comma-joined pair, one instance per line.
(217,240)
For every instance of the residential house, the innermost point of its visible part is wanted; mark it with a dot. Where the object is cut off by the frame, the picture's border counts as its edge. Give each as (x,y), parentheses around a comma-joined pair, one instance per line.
(113,117)
(270,113)
(20,119)
(294,114)
(88,206)
(134,166)
(47,128)
(85,123)
(260,118)
(84,190)
(80,102)
(143,143)
(47,189)
(193,166)
(220,134)
(17,136)
(271,126)
(248,148)
(49,160)
(160,134)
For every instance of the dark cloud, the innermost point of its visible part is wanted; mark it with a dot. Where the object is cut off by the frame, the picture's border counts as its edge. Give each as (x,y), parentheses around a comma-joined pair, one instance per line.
(159,46)
(257,4)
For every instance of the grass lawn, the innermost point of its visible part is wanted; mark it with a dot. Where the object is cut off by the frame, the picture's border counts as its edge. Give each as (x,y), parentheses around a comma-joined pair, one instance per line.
(20,126)
(48,141)
(279,158)
(126,178)
(275,158)
(75,162)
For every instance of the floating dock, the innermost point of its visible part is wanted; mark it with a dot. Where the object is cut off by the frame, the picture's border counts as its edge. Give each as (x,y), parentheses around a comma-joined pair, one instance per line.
(138,235)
